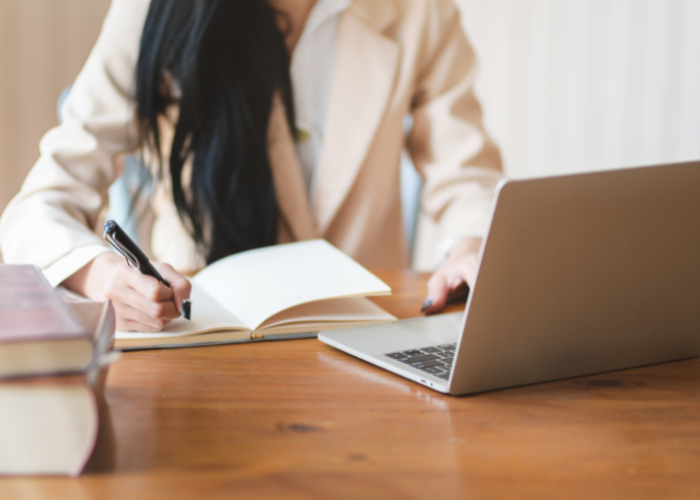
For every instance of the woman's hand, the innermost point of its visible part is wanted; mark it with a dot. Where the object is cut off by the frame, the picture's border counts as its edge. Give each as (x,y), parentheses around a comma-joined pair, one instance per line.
(141,302)
(458,269)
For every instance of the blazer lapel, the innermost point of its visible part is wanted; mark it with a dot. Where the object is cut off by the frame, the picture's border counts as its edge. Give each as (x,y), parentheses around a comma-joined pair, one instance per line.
(292,200)
(365,70)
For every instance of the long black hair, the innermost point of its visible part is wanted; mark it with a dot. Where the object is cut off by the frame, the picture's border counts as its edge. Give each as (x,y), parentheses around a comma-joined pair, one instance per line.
(227,59)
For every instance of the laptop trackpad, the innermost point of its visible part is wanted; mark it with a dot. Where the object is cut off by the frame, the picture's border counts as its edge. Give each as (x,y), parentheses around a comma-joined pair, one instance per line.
(400,335)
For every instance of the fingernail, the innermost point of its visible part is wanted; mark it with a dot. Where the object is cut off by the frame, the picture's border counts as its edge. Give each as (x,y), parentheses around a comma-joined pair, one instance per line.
(186,308)
(426,304)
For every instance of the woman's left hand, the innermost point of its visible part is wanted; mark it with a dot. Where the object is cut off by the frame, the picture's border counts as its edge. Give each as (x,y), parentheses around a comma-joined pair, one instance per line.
(458,269)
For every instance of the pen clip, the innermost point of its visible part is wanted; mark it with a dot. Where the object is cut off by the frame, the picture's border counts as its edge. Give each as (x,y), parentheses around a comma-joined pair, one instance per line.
(131,260)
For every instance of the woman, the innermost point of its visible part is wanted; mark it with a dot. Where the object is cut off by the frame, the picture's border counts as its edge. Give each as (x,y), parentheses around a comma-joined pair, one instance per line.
(252,147)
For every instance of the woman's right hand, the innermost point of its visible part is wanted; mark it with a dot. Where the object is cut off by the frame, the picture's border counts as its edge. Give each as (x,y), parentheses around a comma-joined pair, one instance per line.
(141,303)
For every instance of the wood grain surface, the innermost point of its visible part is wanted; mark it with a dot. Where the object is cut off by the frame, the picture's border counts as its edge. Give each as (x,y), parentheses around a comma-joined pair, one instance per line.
(297,419)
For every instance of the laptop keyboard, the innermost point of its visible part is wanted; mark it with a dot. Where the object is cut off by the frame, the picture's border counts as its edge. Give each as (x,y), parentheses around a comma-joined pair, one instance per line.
(435,360)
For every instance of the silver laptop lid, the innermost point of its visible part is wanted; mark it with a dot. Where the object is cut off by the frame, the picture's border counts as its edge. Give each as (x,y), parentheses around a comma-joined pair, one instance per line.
(585,273)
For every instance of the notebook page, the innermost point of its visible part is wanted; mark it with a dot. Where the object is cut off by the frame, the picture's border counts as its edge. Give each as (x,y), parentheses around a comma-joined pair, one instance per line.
(259,283)
(346,309)
(207,316)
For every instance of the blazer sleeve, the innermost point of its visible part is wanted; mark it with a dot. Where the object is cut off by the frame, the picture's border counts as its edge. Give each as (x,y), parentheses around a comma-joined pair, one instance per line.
(58,207)
(450,148)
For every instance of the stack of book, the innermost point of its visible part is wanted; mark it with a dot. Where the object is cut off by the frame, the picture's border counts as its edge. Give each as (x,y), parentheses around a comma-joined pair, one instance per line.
(53,359)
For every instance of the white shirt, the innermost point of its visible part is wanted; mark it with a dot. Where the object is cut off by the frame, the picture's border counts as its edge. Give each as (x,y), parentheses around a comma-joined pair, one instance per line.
(311,73)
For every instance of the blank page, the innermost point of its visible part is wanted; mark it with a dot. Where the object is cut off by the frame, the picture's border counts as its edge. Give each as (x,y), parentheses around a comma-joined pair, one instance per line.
(346,309)
(257,284)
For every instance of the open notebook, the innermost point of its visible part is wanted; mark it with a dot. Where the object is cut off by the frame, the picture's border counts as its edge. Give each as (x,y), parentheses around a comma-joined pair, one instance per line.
(295,289)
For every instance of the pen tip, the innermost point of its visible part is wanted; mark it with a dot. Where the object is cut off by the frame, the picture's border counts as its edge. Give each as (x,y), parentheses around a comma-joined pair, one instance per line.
(186,308)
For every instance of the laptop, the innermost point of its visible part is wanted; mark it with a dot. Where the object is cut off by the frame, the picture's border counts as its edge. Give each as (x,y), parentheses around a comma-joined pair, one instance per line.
(578,274)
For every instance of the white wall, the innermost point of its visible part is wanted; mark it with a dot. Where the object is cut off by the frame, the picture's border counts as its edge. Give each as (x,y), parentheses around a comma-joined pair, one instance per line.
(580,85)
(574,85)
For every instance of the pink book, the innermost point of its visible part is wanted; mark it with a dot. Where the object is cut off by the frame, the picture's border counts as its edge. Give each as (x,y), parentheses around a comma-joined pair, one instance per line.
(49,424)
(39,334)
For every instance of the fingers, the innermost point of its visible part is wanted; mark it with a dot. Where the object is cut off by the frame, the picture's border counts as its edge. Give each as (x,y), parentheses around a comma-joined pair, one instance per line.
(141,302)
(181,286)
(437,293)
(146,311)
(442,287)
(133,320)
(454,276)
(147,287)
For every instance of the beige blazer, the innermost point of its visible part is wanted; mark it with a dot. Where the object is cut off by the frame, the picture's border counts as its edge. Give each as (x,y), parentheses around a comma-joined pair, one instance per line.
(394,57)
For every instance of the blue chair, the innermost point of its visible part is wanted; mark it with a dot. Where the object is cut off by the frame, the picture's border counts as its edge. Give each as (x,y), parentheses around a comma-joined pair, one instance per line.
(411,186)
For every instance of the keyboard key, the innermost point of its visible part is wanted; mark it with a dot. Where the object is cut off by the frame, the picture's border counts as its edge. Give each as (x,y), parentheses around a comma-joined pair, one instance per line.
(438,371)
(413,352)
(396,355)
(431,350)
(427,364)
(421,359)
(436,360)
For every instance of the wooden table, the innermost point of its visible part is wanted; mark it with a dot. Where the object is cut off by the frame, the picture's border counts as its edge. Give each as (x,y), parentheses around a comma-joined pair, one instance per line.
(298,419)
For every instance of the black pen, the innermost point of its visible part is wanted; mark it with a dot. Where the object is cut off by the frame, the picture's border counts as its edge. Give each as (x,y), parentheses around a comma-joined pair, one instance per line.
(136,259)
